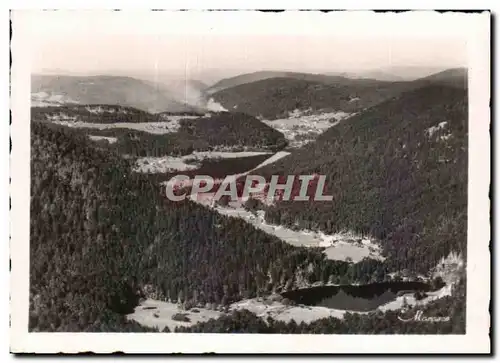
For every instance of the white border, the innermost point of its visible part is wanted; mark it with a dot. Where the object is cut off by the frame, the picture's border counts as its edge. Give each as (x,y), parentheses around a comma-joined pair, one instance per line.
(256,4)
(475,28)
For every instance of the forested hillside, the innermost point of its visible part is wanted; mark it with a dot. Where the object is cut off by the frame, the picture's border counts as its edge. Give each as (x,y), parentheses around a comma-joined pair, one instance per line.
(274,95)
(103,236)
(100,113)
(453,77)
(274,98)
(397,171)
(233,129)
(164,133)
(141,143)
(262,75)
(100,233)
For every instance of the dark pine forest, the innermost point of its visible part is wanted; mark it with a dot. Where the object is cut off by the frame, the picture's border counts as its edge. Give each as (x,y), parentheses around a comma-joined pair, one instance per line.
(101,234)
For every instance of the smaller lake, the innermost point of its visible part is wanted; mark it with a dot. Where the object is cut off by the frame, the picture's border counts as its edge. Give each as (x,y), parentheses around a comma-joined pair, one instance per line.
(354,297)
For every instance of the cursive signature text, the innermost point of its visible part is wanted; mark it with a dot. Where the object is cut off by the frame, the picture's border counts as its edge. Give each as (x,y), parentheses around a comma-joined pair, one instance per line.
(419,316)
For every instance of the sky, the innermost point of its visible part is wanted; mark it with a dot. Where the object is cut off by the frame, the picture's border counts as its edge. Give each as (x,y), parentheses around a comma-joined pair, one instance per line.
(209,45)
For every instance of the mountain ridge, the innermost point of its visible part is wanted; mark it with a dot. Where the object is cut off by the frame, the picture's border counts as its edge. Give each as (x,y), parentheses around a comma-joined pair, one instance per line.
(106,89)
(274,98)
(392,169)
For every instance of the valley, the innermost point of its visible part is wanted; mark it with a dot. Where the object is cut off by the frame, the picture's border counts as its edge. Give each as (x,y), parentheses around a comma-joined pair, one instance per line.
(340,246)
(302,127)
(298,306)
(392,241)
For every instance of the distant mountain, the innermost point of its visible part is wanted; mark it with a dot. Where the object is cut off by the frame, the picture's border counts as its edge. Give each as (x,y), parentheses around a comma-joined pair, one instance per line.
(198,84)
(397,172)
(375,75)
(211,76)
(186,91)
(244,78)
(411,73)
(262,75)
(392,74)
(455,77)
(113,90)
(275,98)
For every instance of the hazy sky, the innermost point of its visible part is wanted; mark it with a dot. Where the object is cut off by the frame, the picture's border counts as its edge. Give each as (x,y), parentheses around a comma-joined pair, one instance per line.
(197,43)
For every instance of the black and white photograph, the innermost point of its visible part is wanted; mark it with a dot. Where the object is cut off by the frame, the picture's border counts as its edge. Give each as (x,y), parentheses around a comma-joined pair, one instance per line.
(289,182)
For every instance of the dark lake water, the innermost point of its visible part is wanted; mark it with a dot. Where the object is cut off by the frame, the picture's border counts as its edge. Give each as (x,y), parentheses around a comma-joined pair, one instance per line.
(352,297)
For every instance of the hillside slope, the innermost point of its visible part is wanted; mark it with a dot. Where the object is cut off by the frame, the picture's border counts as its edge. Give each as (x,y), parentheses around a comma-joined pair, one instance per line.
(397,171)
(101,235)
(392,74)
(140,133)
(454,77)
(114,90)
(275,98)
(185,91)
(98,113)
(274,95)
(245,78)
(233,129)
(223,131)
(262,75)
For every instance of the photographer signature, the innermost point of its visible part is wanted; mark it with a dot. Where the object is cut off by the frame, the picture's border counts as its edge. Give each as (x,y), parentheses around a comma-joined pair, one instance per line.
(419,316)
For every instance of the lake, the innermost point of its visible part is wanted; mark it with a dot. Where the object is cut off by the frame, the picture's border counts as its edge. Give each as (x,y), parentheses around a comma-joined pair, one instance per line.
(354,297)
